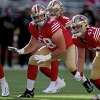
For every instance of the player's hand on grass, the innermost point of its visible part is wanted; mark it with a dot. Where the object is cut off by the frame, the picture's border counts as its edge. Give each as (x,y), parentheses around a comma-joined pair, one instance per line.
(77,76)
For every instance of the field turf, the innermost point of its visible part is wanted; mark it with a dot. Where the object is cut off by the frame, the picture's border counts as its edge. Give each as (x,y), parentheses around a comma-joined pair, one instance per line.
(73,90)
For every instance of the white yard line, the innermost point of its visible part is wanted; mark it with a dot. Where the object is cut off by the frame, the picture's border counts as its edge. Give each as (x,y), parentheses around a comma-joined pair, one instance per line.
(49,97)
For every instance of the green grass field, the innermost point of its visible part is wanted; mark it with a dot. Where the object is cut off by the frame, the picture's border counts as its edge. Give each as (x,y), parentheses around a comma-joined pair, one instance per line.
(73,90)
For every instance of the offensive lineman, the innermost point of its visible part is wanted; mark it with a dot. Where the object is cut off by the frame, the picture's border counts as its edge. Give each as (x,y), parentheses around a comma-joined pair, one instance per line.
(57,39)
(56,10)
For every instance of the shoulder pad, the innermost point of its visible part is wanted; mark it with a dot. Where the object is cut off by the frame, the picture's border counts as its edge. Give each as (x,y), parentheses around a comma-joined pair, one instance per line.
(51,19)
(64,17)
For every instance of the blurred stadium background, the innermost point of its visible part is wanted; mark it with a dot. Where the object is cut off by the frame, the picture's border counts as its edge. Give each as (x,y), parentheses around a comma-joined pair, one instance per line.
(14,18)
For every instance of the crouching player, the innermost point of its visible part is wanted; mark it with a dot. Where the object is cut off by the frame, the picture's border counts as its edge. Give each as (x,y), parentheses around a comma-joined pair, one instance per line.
(47,31)
(55,9)
(3,82)
(86,36)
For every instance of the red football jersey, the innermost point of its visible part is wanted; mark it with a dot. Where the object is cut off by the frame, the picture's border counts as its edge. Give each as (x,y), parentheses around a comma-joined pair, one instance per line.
(63,20)
(44,34)
(91,39)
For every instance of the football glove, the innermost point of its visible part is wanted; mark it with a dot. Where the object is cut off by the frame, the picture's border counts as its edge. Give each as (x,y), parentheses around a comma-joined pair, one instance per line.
(13,49)
(77,76)
(42,58)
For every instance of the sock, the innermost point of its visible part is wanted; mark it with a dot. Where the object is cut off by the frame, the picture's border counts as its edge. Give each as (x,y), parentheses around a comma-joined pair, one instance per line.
(96,82)
(58,79)
(81,73)
(30,84)
(32,72)
(3,80)
(54,70)
(1,71)
(31,76)
(46,71)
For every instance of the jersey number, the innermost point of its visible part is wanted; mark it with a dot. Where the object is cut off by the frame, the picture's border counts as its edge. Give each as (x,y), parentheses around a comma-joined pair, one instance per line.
(48,42)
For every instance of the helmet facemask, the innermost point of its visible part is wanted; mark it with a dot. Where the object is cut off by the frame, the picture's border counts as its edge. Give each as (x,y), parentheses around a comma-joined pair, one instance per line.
(38,15)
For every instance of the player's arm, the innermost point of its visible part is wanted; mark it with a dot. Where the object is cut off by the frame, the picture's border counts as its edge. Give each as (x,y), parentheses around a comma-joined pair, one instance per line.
(81,59)
(30,47)
(58,39)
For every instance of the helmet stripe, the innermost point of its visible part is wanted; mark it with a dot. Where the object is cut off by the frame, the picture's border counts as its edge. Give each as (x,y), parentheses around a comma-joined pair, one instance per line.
(35,9)
(38,8)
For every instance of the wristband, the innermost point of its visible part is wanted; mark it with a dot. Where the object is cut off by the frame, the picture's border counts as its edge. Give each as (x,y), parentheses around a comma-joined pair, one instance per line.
(21,51)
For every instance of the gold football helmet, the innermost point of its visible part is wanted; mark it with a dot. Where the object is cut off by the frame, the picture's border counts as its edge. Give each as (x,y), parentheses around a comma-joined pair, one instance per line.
(55,8)
(38,14)
(79,25)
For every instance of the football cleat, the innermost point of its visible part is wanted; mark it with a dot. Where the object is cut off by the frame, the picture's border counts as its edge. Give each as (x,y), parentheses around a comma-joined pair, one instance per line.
(5,89)
(54,87)
(51,88)
(88,86)
(60,84)
(27,94)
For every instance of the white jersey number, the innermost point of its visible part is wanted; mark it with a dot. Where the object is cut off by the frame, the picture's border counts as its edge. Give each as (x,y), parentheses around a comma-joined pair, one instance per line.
(48,42)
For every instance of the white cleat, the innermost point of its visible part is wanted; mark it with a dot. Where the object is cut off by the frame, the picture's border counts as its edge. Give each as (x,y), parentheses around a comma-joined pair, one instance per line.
(51,88)
(60,84)
(54,87)
(5,89)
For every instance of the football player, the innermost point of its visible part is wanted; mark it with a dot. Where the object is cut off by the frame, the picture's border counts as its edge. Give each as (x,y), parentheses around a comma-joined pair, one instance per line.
(3,83)
(55,69)
(85,36)
(47,31)
(55,9)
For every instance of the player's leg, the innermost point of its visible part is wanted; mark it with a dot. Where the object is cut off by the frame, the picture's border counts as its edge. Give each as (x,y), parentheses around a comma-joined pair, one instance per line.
(89,57)
(4,84)
(56,83)
(95,72)
(86,82)
(32,72)
(71,63)
(54,75)
(70,57)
